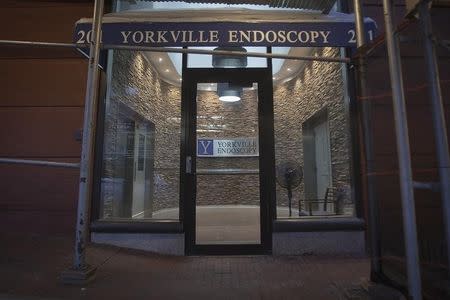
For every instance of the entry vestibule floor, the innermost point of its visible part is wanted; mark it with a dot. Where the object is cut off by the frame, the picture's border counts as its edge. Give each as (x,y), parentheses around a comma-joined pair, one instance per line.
(30,265)
(224,224)
(227,224)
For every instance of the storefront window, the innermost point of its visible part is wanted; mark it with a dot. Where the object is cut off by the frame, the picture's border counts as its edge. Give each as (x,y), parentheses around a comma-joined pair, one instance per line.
(312,139)
(141,147)
(207,61)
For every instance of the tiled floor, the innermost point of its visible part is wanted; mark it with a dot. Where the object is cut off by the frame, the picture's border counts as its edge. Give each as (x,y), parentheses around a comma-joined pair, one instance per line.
(30,266)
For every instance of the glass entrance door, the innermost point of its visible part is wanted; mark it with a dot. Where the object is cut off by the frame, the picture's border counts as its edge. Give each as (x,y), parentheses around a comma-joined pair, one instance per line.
(227,204)
(227,166)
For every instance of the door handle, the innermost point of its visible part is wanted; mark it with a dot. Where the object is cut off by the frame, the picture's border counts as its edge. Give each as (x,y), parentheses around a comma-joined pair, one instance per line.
(189,164)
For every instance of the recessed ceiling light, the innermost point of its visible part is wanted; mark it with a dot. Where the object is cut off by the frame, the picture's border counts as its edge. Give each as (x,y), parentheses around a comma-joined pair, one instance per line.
(229,98)
(180,79)
(274,78)
(167,70)
(160,59)
(289,69)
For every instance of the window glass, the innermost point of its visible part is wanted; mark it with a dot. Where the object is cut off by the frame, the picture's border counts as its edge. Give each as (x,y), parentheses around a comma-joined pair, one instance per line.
(312,139)
(227,164)
(207,61)
(141,147)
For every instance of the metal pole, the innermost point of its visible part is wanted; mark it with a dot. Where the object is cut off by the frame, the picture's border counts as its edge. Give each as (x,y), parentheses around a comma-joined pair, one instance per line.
(87,147)
(440,131)
(39,163)
(229,53)
(433,186)
(404,157)
(176,50)
(368,145)
(37,44)
(359,24)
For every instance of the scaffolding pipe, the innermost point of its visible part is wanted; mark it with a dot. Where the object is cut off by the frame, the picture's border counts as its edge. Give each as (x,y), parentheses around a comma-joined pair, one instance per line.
(404,157)
(228,53)
(37,44)
(433,186)
(39,163)
(368,145)
(87,147)
(178,50)
(359,24)
(440,131)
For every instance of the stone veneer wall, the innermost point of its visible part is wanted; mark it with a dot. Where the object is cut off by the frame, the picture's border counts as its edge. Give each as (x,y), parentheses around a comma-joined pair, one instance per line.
(318,86)
(229,120)
(136,85)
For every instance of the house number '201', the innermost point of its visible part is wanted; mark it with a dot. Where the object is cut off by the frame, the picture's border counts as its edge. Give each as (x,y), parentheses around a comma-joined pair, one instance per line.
(352,35)
(86,37)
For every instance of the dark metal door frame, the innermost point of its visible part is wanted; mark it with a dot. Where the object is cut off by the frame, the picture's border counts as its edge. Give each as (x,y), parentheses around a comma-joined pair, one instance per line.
(263,76)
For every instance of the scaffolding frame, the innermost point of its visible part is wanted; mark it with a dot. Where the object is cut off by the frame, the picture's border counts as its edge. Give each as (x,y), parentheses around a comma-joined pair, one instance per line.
(177,50)
(407,185)
(81,272)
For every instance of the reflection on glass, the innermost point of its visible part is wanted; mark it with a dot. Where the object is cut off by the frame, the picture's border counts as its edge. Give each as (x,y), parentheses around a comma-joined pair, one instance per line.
(227,210)
(206,61)
(227,168)
(141,162)
(312,133)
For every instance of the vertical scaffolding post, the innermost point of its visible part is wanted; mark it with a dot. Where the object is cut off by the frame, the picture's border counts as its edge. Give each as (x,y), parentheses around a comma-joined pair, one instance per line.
(440,131)
(404,157)
(81,272)
(368,144)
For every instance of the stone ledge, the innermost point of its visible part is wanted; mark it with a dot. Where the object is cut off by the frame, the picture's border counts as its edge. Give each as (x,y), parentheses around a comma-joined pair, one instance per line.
(170,243)
(319,224)
(319,243)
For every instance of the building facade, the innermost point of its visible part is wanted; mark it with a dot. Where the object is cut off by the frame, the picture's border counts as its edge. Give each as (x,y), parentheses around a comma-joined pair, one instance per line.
(154,187)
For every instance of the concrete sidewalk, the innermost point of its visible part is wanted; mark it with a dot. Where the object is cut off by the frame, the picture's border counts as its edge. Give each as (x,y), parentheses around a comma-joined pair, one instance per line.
(30,267)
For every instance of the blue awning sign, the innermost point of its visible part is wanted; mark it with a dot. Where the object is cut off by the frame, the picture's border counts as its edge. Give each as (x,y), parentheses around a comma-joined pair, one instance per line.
(179,34)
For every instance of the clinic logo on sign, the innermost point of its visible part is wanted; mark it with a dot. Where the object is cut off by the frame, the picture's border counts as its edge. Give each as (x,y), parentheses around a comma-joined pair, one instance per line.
(232,147)
(205,147)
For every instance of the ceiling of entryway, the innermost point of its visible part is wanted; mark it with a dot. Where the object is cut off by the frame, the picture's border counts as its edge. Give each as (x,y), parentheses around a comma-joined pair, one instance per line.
(168,65)
(324,6)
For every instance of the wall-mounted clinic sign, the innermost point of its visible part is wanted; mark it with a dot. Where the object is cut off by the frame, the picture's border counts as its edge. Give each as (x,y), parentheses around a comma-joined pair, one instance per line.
(209,147)
(307,33)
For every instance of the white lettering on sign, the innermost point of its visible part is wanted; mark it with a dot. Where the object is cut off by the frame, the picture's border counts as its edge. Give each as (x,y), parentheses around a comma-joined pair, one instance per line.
(210,147)
(281,36)
(325,35)
(352,34)
(149,37)
(85,37)
(125,35)
(234,36)
(138,37)
(167,34)
(205,145)
(214,34)
(164,37)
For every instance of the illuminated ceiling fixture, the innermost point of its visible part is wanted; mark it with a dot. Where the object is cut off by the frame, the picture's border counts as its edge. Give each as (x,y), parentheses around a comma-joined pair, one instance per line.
(227,61)
(228,92)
